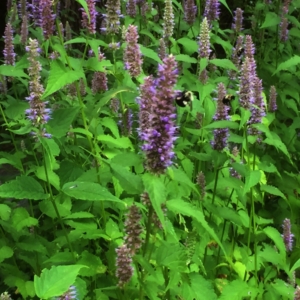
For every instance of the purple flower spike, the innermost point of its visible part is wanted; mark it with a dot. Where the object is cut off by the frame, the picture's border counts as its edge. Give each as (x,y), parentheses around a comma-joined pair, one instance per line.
(132,53)
(112,17)
(37,113)
(287,235)
(157,112)
(190,11)
(46,18)
(90,23)
(212,10)
(168,19)
(221,134)
(237,26)
(131,8)
(272,103)
(124,270)
(8,52)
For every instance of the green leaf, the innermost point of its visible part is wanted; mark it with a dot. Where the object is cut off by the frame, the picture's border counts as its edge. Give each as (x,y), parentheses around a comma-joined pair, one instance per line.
(80,215)
(190,46)
(203,288)
(295,266)
(59,77)
(150,53)
(5,212)
(130,182)
(271,19)
(274,140)
(88,191)
(290,63)
(111,125)
(5,252)
(235,290)
(155,188)
(222,124)
(50,177)
(272,190)
(123,142)
(186,58)
(93,264)
(23,188)
(283,290)
(60,121)
(20,219)
(12,71)
(269,254)
(56,281)
(187,209)
(223,63)
(276,237)
(252,178)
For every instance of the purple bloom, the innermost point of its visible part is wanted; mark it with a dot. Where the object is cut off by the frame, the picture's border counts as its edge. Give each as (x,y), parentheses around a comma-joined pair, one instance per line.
(220,140)
(112,17)
(157,114)
(233,172)
(46,18)
(190,11)
(272,102)
(211,10)
(8,52)
(133,229)
(89,21)
(168,20)
(99,81)
(246,96)
(131,8)
(124,270)
(202,184)
(162,49)
(249,52)
(24,30)
(237,26)
(204,47)
(35,12)
(287,235)
(132,53)
(37,113)
(22,8)
(284,29)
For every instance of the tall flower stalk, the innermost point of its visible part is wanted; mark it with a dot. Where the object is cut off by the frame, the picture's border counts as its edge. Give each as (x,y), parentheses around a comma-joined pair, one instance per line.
(157,128)
(38,114)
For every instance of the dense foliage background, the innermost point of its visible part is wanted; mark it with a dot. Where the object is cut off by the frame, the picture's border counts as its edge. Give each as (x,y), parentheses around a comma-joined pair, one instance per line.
(150,150)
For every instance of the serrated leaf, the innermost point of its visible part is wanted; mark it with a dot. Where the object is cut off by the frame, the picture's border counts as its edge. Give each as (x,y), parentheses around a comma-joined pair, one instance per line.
(187,209)
(5,211)
(252,178)
(276,237)
(5,252)
(150,53)
(274,140)
(59,77)
(203,288)
(80,215)
(272,190)
(130,182)
(292,62)
(223,63)
(93,264)
(60,121)
(12,71)
(56,281)
(186,58)
(123,142)
(235,290)
(222,124)
(20,219)
(111,125)
(157,193)
(271,19)
(88,191)
(50,177)
(23,188)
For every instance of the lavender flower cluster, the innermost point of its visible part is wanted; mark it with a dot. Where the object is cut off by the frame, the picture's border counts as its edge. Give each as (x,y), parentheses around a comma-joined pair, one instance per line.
(156,116)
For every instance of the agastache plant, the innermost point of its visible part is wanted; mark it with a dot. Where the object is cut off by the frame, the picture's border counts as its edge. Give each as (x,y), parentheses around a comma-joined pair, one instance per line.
(168,20)
(272,102)
(99,81)
(131,8)
(220,140)
(287,234)
(47,18)
(124,269)
(132,53)
(112,17)
(158,135)
(89,21)
(38,114)
(190,11)
(8,52)
(211,10)
(237,26)
(204,48)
